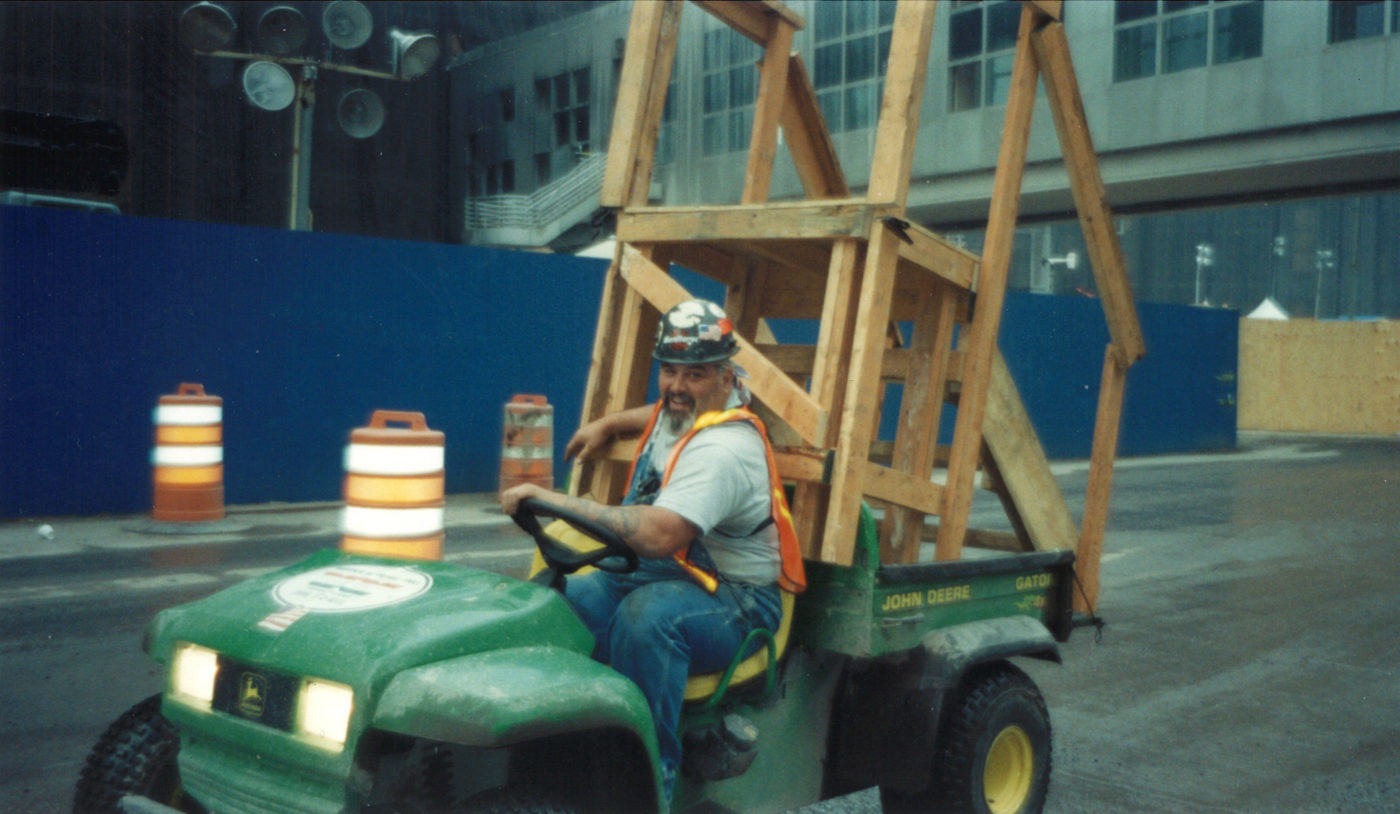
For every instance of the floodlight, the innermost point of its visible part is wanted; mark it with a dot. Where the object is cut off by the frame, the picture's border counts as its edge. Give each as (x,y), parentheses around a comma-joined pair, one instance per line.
(268,85)
(360,113)
(206,27)
(281,30)
(414,54)
(347,23)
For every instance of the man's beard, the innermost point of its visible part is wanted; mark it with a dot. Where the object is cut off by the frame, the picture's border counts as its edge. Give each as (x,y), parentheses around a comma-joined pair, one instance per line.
(680,422)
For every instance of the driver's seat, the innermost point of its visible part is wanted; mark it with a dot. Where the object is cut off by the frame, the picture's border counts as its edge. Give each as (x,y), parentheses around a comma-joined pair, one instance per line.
(698,687)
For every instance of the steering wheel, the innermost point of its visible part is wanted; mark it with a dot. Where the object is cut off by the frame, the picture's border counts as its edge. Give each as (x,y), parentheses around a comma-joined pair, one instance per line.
(615,556)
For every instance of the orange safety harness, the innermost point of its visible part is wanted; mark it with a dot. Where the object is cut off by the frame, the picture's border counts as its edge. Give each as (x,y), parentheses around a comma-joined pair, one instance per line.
(792,576)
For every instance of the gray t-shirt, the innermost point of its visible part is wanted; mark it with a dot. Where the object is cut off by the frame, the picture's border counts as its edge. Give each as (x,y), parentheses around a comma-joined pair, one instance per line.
(720,483)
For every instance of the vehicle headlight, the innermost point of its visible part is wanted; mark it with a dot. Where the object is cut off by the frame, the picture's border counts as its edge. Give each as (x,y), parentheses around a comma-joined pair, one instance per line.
(192,673)
(323,710)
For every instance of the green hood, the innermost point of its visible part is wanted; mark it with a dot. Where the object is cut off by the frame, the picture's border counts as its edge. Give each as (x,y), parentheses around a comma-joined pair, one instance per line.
(430,650)
(361,620)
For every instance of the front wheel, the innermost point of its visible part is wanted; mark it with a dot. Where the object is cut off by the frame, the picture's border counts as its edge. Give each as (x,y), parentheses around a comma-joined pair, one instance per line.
(993,752)
(519,800)
(136,755)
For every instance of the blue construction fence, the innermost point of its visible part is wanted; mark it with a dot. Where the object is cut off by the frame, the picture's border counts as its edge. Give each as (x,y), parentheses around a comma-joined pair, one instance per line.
(305,335)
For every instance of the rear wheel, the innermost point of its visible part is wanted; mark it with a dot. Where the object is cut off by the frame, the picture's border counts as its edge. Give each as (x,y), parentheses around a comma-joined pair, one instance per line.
(993,752)
(136,755)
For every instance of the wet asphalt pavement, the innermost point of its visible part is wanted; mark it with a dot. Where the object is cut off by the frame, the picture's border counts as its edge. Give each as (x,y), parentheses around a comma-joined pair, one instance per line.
(1250,663)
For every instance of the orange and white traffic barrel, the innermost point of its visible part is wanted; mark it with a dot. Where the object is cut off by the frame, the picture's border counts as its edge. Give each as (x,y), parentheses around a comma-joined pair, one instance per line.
(527,446)
(394,484)
(187,460)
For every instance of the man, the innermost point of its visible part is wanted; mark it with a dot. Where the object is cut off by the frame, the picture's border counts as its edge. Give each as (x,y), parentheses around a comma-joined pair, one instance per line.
(704,509)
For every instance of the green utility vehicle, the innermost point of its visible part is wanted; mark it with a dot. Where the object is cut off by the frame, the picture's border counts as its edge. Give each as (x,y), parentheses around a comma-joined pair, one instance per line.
(353,684)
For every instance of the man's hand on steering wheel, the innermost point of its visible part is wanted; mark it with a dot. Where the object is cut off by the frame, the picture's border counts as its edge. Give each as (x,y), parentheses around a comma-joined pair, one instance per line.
(558,556)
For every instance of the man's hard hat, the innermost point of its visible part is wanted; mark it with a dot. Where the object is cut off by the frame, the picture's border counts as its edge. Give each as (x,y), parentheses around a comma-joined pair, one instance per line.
(695,332)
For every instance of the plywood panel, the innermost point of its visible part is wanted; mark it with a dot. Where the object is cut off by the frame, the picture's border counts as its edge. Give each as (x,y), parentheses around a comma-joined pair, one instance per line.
(1302,375)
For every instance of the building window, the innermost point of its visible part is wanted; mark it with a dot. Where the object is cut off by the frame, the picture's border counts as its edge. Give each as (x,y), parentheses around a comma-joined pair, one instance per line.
(666,136)
(729,86)
(500,178)
(565,97)
(1355,19)
(981,50)
(542,169)
(1166,36)
(507,99)
(852,41)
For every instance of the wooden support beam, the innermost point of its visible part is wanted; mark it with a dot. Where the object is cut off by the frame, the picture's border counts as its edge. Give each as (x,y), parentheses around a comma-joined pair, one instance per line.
(1086,185)
(795,463)
(1022,467)
(596,393)
(753,20)
(994,541)
(918,495)
(919,415)
(893,158)
(828,220)
(1054,9)
(796,257)
(743,298)
(808,140)
(799,361)
(840,316)
(1100,486)
(768,110)
(992,480)
(635,330)
(792,263)
(859,415)
(982,538)
(780,393)
(981,338)
(838,311)
(646,73)
(804,465)
(710,259)
(926,251)
(786,298)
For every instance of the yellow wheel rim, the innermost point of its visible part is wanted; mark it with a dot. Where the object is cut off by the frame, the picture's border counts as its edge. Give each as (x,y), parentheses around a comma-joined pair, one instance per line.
(1006,780)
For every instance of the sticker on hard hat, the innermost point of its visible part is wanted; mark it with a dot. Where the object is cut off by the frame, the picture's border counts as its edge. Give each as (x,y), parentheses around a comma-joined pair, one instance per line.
(351,587)
(687,314)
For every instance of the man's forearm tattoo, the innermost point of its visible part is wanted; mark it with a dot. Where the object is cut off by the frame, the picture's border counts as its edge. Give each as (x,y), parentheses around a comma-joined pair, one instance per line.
(624,521)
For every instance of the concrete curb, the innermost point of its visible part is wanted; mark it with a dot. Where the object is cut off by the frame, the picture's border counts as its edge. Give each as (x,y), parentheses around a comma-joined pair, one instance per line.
(39,537)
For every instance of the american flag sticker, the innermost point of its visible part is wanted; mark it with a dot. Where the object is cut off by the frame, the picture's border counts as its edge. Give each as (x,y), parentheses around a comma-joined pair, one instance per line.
(282,619)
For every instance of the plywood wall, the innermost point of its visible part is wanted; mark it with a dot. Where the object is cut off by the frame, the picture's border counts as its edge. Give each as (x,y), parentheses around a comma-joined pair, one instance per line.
(1301,375)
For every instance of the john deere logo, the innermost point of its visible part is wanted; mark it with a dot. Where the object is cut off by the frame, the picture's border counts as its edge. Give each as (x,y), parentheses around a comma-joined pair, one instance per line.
(252,695)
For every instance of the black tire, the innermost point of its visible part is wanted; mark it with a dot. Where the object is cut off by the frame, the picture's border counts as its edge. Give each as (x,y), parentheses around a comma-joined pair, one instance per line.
(993,751)
(136,755)
(518,800)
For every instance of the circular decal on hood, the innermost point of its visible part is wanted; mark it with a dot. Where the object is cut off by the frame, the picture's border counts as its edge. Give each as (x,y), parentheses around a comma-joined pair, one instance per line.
(351,587)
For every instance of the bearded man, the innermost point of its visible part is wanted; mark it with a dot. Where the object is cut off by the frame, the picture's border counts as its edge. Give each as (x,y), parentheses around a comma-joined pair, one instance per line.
(704,510)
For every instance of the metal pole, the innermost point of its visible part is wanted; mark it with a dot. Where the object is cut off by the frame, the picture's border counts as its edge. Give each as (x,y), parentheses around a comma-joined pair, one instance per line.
(299,182)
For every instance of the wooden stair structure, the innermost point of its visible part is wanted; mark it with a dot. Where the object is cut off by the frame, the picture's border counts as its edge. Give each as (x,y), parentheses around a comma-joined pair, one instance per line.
(857,264)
